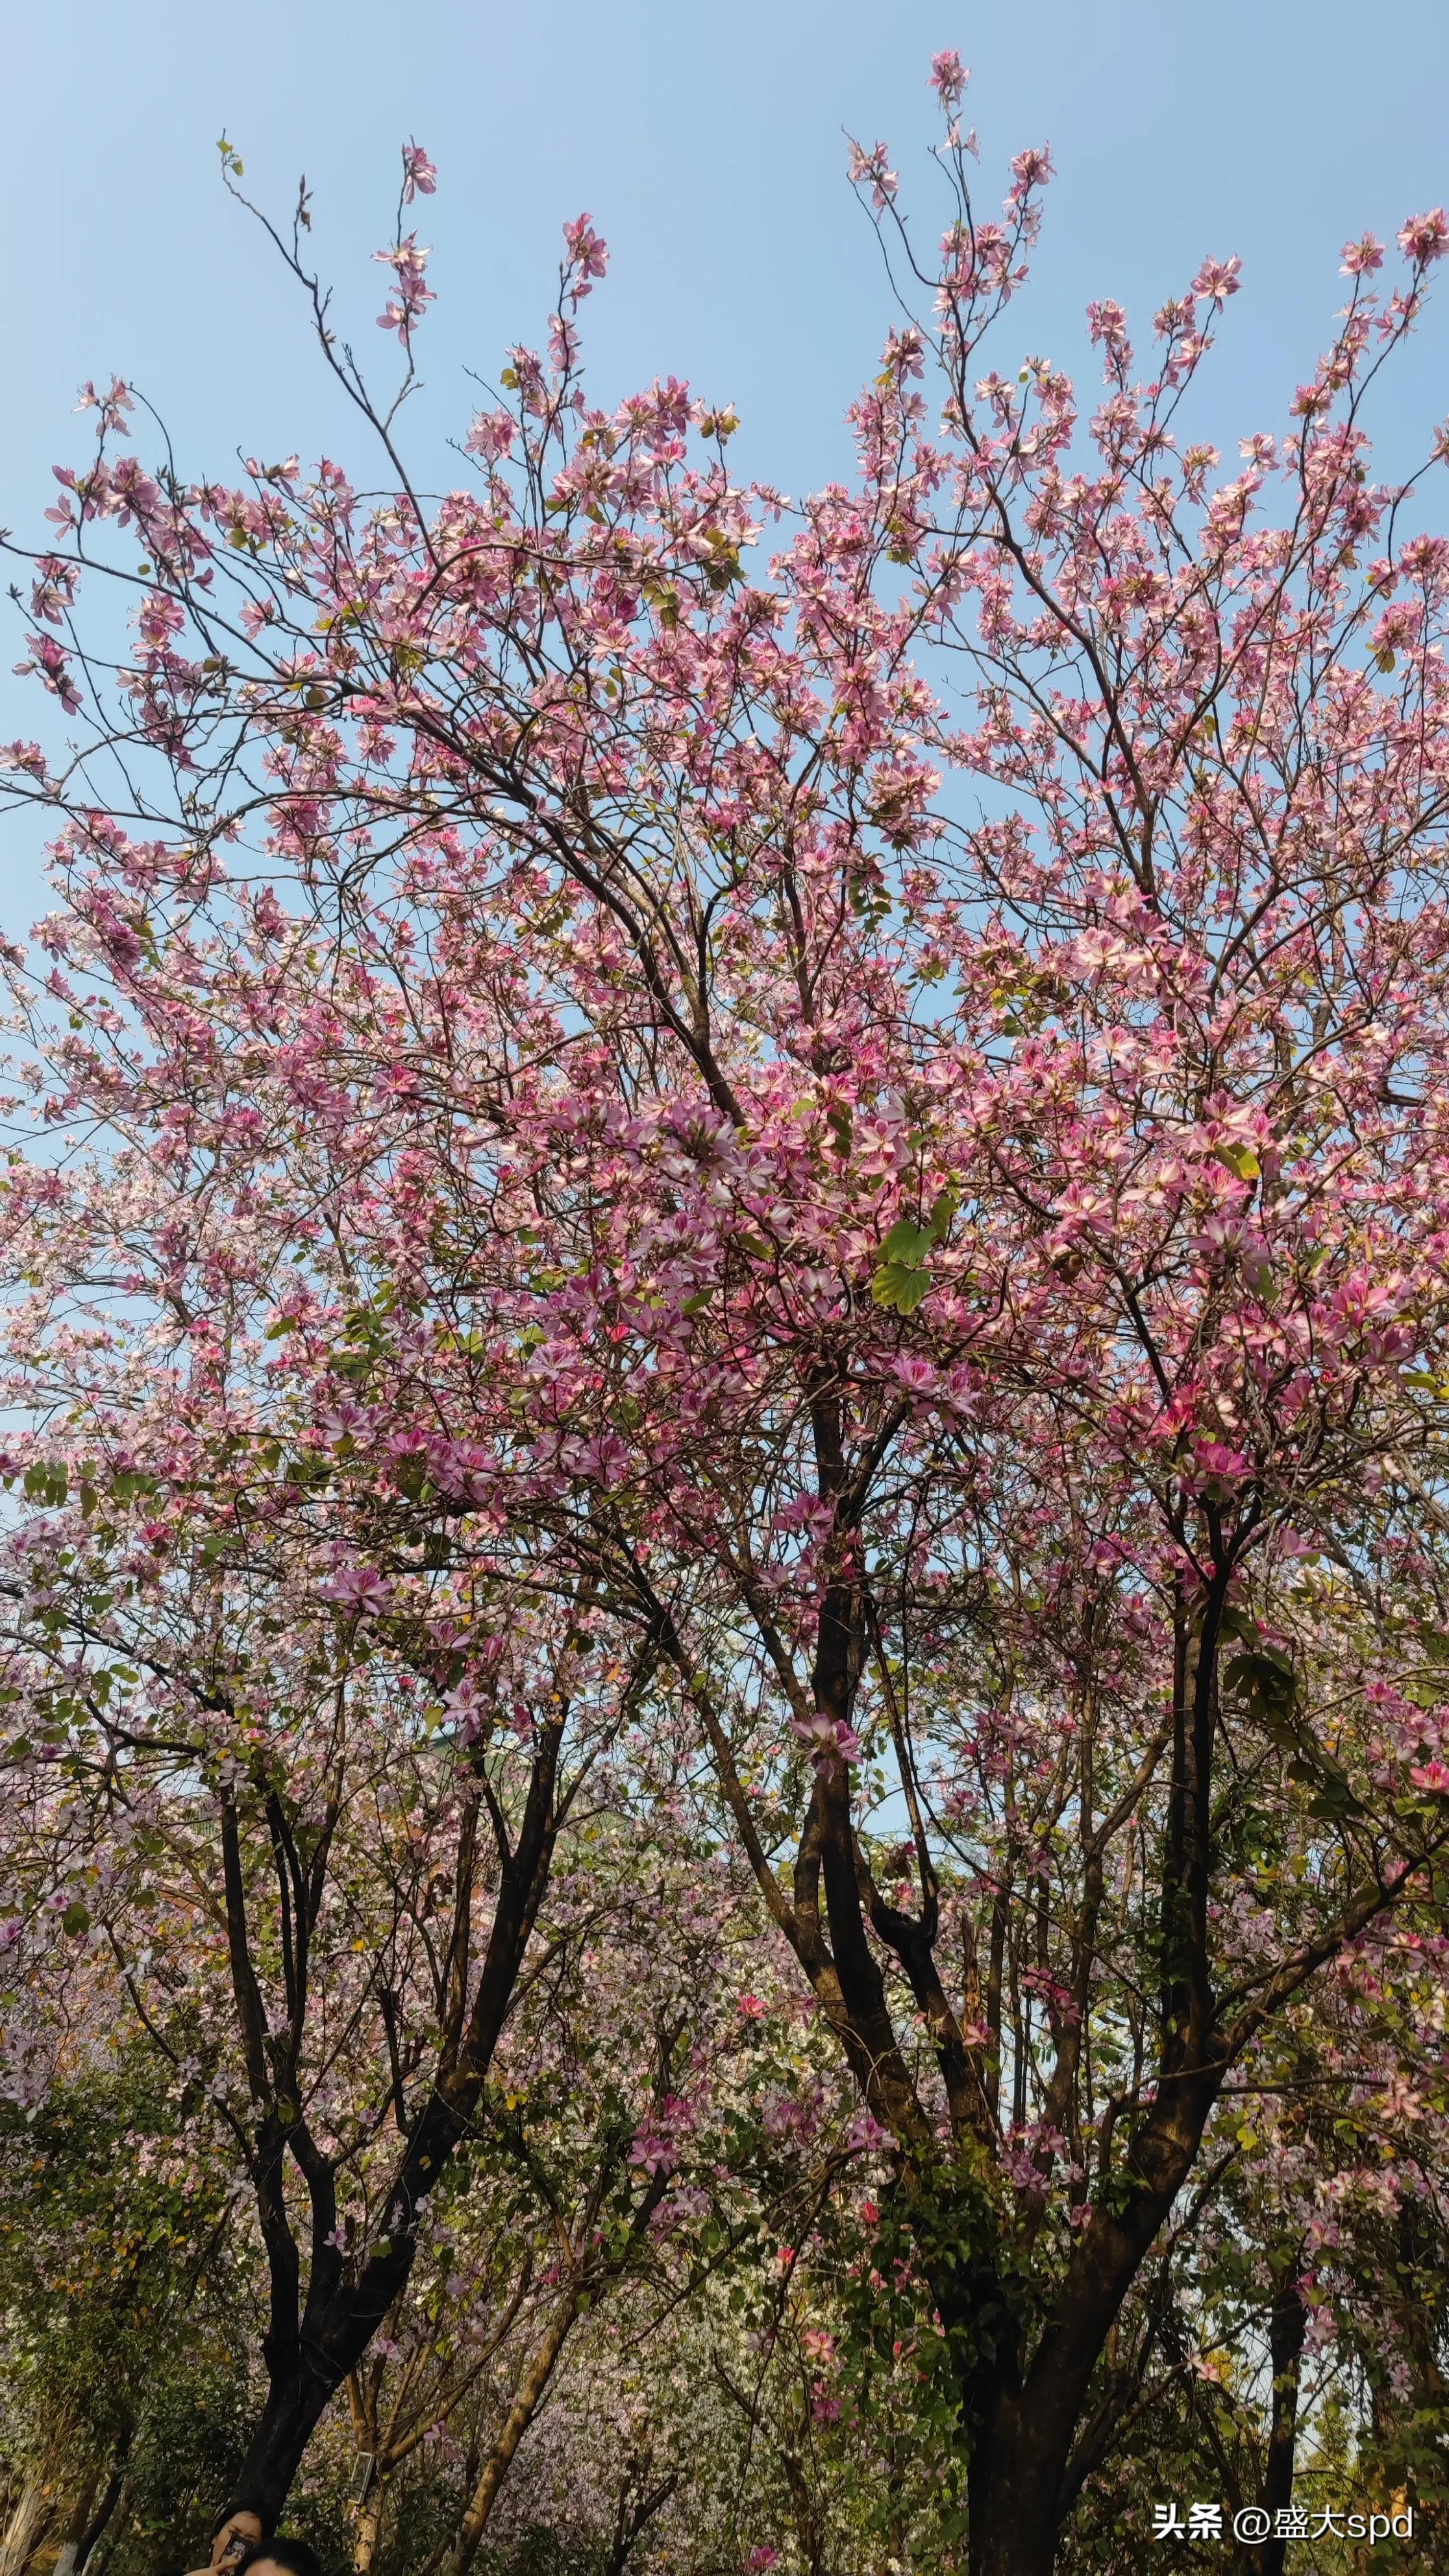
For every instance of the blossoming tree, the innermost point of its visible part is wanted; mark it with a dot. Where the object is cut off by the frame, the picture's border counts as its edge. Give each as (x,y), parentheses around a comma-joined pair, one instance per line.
(855,1132)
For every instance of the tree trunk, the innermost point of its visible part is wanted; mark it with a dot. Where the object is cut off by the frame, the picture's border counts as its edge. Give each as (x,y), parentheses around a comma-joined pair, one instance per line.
(1286,2327)
(369,2525)
(1012,2494)
(103,2519)
(294,2408)
(27,2526)
(520,2415)
(633,2520)
(806,2523)
(72,2548)
(312,2344)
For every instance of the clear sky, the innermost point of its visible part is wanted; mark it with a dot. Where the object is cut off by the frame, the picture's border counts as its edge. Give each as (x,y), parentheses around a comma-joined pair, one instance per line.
(708,145)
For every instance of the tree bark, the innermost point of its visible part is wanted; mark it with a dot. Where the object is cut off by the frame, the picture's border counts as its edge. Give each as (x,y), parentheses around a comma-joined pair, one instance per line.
(369,2526)
(1287,2325)
(72,2547)
(101,2538)
(520,2415)
(312,2342)
(1025,2414)
(27,2526)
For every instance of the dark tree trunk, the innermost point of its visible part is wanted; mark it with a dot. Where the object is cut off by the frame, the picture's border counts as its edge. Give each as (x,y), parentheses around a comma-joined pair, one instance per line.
(314,2340)
(1013,2497)
(1286,2327)
(294,2408)
(100,2520)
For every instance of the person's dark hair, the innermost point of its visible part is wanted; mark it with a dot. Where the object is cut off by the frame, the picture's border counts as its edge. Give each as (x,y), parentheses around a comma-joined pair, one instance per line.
(298,2556)
(239,2504)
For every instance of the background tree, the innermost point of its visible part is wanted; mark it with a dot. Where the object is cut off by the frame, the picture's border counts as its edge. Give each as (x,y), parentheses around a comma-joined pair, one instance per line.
(125,2396)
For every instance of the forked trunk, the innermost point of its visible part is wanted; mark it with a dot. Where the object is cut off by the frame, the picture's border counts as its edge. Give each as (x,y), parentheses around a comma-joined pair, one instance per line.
(72,2547)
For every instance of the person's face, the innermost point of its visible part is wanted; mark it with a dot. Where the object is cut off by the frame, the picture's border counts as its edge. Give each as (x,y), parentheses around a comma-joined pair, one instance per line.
(235,2538)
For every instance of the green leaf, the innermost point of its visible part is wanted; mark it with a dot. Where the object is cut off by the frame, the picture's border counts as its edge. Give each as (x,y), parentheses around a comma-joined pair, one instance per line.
(1240,1159)
(1334,1799)
(1236,1622)
(898,1285)
(907,1243)
(1264,1675)
(76,1918)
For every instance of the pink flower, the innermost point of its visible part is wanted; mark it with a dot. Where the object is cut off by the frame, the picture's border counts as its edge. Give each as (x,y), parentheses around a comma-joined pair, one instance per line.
(915,1373)
(420,177)
(653,2153)
(1362,255)
(54,670)
(657,2141)
(751,2007)
(1217,278)
(1425,237)
(491,435)
(865,2134)
(356,1587)
(1214,1463)
(407,259)
(563,345)
(949,76)
(111,405)
(1030,169)
(1431,1775)
(588,253)
(468,1707)
(872,165)
(828,1738)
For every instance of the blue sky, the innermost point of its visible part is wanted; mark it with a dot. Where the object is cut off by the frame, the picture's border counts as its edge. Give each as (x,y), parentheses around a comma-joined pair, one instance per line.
(707,143)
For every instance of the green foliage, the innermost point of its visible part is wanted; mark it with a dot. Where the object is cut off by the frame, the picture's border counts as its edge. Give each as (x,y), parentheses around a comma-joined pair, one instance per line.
(902,1279)
(119,2284)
